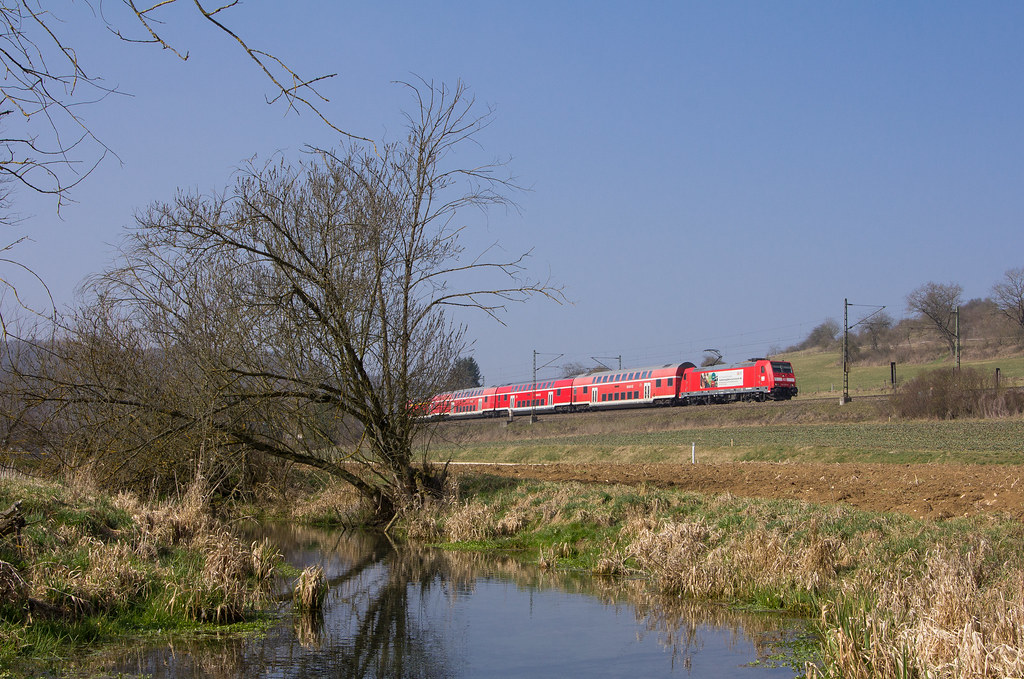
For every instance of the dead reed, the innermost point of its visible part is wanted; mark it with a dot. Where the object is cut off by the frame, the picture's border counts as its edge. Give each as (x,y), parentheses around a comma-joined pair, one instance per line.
(310,591)
(951,621)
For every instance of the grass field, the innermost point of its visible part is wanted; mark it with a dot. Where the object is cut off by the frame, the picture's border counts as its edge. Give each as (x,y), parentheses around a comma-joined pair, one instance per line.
(970,442)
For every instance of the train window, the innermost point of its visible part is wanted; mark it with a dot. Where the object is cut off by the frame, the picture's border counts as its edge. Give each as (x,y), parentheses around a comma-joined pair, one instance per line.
(670,381)
(657,382)
(585,389)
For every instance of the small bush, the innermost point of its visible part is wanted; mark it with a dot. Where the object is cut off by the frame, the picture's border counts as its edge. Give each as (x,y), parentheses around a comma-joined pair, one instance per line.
(949,394)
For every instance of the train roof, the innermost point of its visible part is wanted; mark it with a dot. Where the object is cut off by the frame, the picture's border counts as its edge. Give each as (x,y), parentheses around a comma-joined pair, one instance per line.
(743,364)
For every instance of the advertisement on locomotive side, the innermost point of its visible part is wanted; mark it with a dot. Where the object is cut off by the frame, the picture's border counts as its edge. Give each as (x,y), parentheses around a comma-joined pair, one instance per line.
(721,379)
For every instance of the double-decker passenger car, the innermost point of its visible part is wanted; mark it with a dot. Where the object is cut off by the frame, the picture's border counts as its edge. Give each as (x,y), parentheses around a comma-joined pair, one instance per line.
(529,397)
(657,385)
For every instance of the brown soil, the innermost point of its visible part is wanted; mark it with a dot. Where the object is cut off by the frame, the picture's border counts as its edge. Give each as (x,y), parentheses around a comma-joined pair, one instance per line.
(921,490)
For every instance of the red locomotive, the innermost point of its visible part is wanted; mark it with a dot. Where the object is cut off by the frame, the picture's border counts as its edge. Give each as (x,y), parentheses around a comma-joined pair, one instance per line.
(758,379)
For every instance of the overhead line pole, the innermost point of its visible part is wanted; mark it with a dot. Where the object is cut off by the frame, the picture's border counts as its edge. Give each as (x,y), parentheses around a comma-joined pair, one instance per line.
(846,343)
(533,396)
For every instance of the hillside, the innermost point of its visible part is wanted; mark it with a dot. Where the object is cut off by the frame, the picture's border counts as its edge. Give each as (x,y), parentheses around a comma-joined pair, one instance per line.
(820,373)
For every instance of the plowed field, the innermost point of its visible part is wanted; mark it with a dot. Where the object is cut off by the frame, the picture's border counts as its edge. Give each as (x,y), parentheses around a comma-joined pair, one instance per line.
(921,490)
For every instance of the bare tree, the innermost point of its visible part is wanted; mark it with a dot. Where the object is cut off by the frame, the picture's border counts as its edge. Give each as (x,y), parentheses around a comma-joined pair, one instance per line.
(574,368)
(823,335)
(876,328)
(1009,295)
(938,303)
(304,313)
(49,147)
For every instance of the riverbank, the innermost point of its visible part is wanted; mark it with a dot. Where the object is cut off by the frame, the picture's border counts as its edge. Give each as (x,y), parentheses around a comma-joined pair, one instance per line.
(891,595)
(86,568)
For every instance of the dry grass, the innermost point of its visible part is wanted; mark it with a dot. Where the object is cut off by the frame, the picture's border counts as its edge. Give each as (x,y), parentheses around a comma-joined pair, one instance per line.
(337,504)
(698,560)
(949,622)
(234,579)
(310,590)
(88,555)
(470,522)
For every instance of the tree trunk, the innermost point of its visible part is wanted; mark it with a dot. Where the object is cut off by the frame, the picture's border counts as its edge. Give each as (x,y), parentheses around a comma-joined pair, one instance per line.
(11,520)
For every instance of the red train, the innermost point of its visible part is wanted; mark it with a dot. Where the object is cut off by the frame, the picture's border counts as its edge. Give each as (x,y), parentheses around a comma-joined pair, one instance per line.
(758,379)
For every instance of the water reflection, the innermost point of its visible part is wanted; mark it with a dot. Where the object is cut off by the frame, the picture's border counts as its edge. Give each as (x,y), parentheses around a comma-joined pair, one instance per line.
(420,612)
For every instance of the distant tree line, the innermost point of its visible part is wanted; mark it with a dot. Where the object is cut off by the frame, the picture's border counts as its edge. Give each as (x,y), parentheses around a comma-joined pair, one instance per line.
(987,326)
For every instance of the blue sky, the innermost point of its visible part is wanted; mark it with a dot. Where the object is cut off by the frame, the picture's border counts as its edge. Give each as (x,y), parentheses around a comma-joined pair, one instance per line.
(717,174)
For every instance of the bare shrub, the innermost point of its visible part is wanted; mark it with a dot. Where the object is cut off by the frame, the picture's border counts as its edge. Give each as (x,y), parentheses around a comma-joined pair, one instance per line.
(949,394)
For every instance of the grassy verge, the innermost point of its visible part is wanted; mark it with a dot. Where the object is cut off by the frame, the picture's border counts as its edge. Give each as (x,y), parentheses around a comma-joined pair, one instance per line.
(962,441)
(88,568)
(891,596)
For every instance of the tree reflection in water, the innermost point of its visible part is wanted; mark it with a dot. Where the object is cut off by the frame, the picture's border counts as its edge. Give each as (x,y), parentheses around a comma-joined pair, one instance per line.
(381,618)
